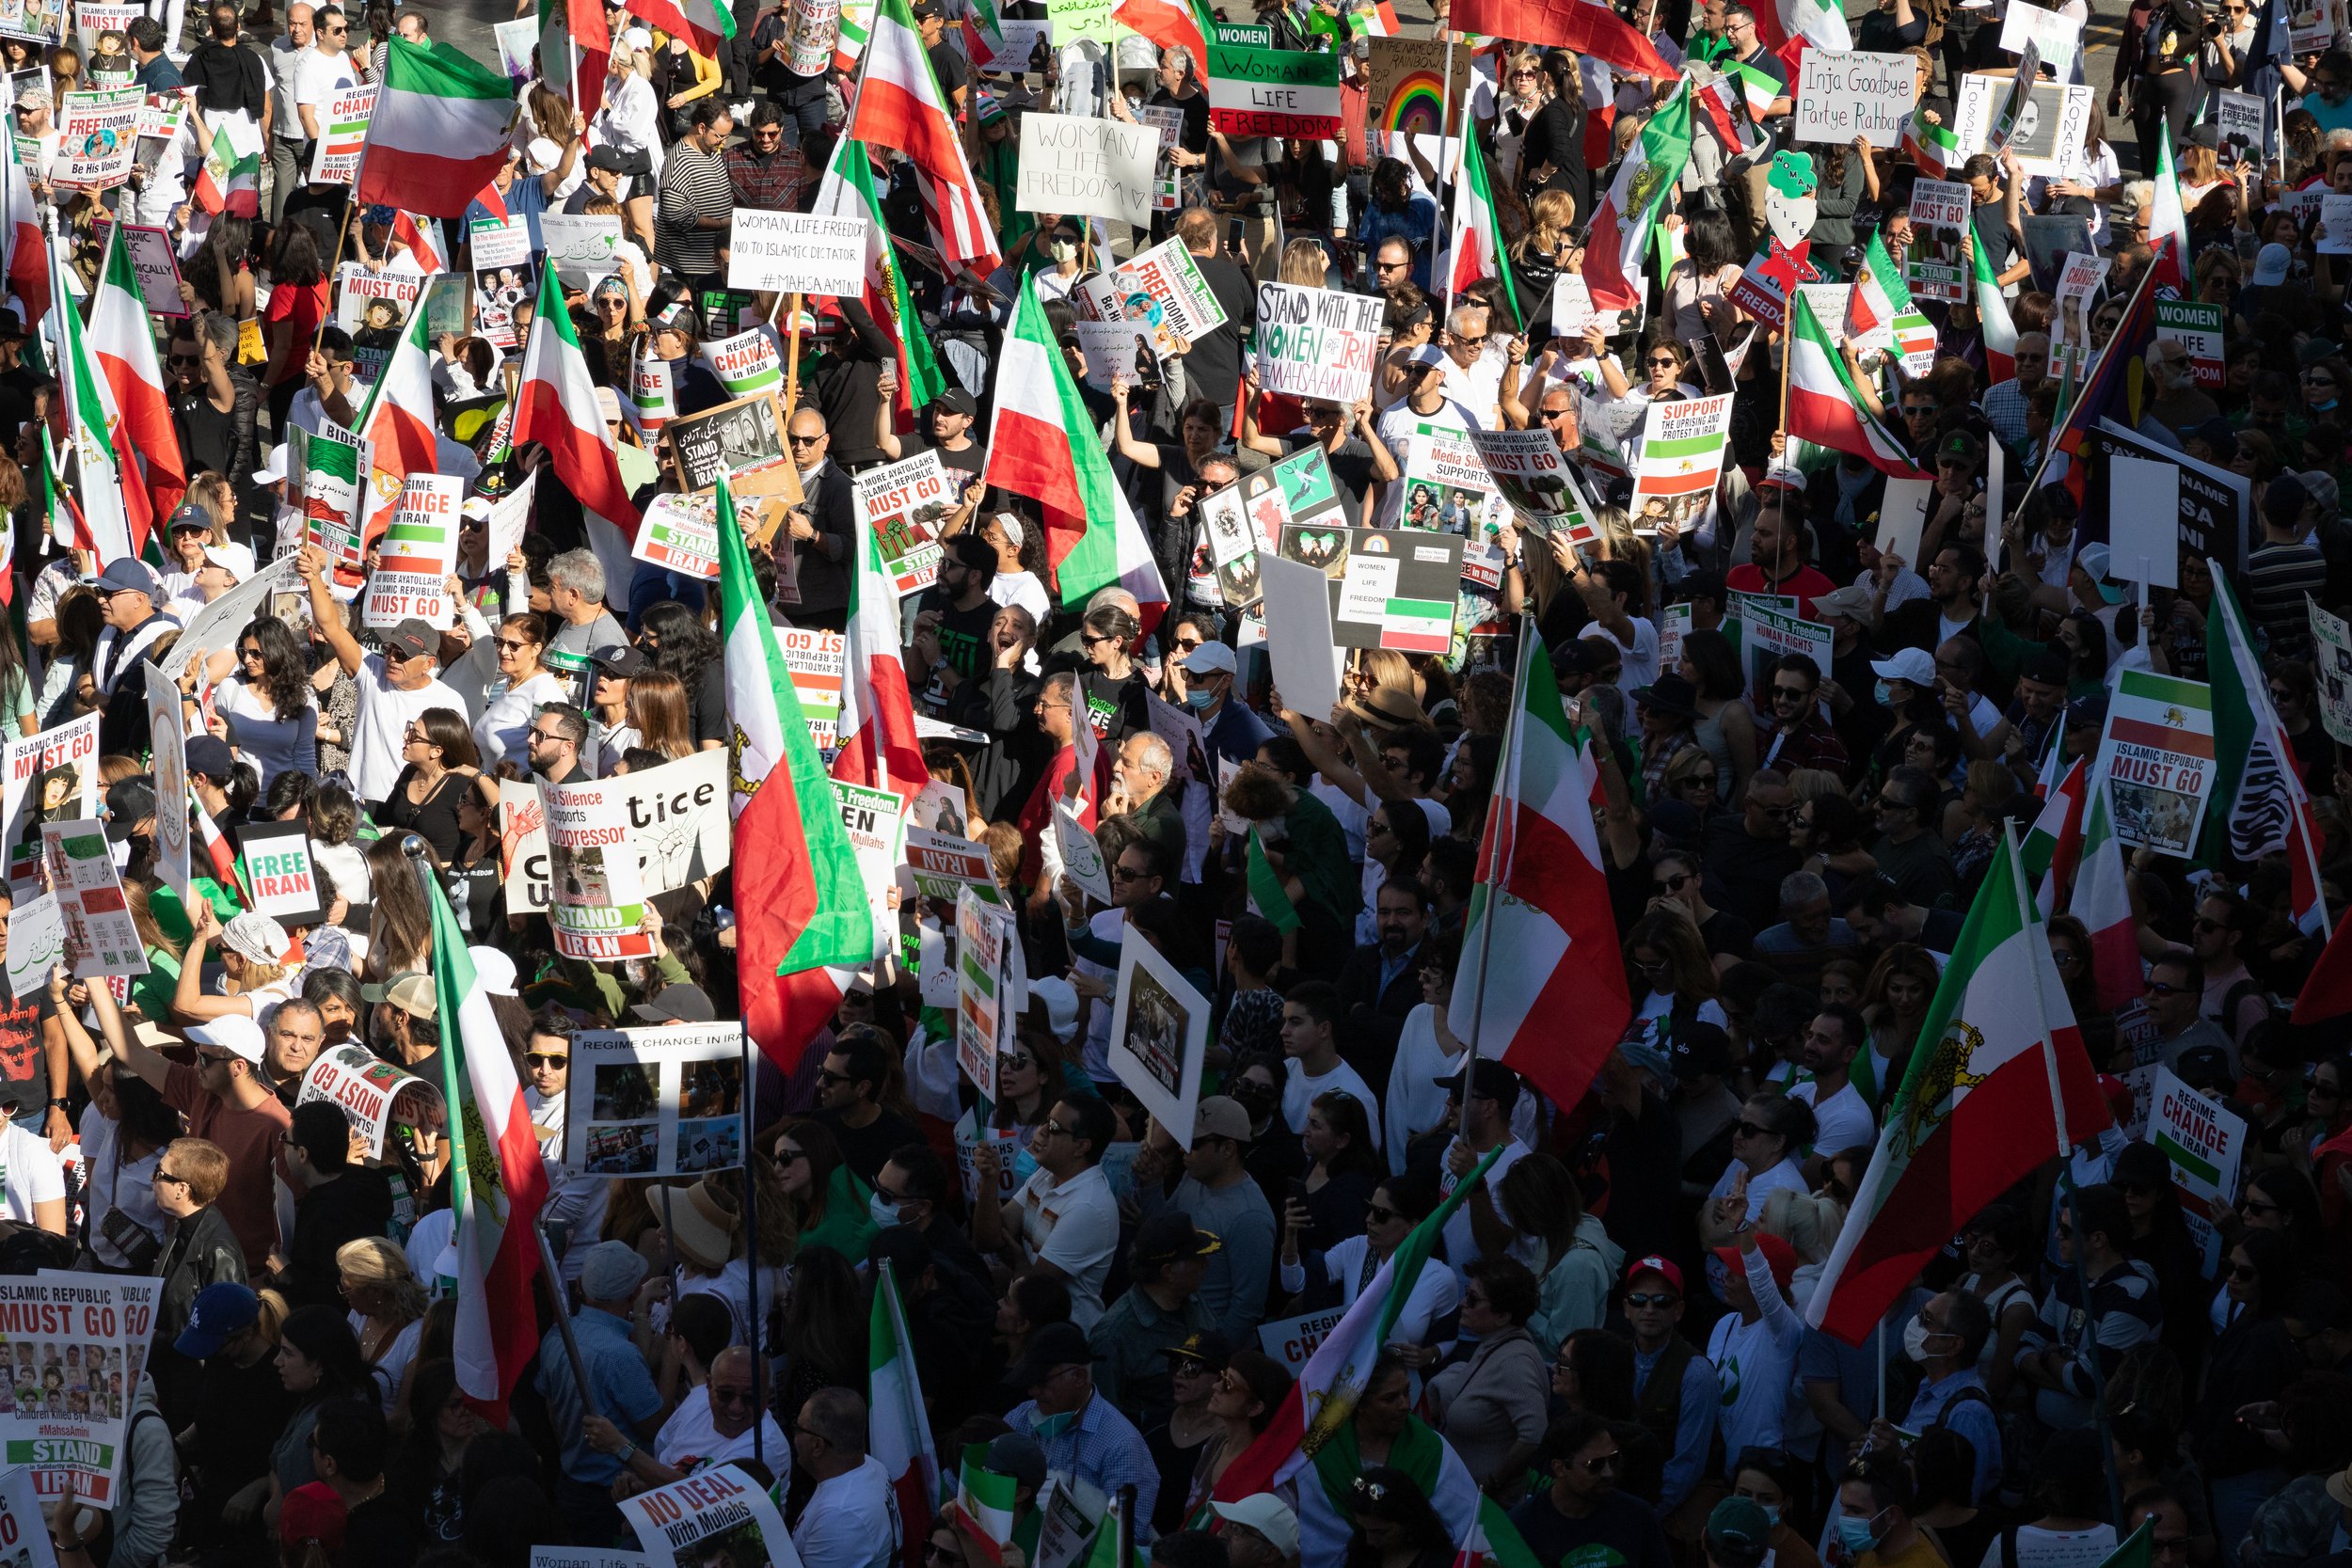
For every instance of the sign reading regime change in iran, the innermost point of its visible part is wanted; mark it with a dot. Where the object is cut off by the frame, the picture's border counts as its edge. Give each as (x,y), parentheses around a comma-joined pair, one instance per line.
(1274,92)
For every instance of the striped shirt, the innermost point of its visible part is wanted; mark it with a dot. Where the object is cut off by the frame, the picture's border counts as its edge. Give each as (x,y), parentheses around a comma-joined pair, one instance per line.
(694,186)
(2277,577)
(2125,1312)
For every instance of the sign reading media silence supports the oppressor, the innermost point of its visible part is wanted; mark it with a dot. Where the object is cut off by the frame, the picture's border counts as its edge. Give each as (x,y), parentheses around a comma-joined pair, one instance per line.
(1317,343)
(1274,92)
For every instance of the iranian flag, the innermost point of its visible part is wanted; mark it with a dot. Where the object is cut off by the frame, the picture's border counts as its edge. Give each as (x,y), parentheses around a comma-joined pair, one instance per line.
(231,180)
(986,1501)
(1999,1084)
(123,344)
(1790,27)
(793,948)
(1493,1541)
(1621,227)
(1932,145)
(576,44)
(396,420)
(1172,25)
(1269,894)
(1542,986)
(1091,537)
(1758,88)
(2054,845)
(440,132)
(27,266)
(2166,219)
(900,104)
(2000,333)
(1879,294)
(708,26)
(2258,797)
(1824,407)
(556,405)
(898,1429)
(220,857)
(497,1184)
(1476,241)
(1324,1398)
(847,192)
(877,746)
(2102,901)
(1587,26)
(104,522)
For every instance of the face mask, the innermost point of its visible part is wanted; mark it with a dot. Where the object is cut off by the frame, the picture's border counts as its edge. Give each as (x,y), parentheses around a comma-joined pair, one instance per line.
(1054,1426)
(1855,1535)
(1196,697)
(1879,693)
(1065,251)
(1915,1337)
(1771,1514)
(883,1214)
(2324,406)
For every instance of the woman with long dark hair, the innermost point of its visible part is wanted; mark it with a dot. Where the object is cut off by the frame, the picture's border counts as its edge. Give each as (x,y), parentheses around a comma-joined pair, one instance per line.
(1395,1526)
(441,763)
(824,1198)
(267,707)
(428,1467)
(824,1328)
(298,305)
(318,1360)
(676,640)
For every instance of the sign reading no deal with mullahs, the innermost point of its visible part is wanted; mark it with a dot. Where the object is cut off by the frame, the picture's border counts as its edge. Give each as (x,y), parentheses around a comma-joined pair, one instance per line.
(795,253)
(1317,343)
(1274,92)
(1841,96)
(1099,168)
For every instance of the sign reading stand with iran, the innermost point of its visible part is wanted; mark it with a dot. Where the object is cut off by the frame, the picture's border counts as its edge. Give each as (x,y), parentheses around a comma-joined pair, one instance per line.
(1274,92)
(1317,343)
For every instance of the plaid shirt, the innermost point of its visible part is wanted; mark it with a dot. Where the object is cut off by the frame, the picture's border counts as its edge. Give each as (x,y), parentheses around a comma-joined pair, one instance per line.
(773,184)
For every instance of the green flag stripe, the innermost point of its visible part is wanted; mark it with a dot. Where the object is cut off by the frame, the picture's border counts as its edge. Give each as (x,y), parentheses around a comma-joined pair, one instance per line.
(1683,446)
(441,70)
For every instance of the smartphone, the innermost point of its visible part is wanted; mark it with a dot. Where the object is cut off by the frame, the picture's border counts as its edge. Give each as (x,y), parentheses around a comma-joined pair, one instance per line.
(1298,1189)
(1232,236)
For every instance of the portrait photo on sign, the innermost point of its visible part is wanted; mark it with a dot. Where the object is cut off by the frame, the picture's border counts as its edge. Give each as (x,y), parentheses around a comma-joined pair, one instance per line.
(1159,1033)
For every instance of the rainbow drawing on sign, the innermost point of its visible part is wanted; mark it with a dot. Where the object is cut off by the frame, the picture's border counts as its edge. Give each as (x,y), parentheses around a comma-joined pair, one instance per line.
(1417,105)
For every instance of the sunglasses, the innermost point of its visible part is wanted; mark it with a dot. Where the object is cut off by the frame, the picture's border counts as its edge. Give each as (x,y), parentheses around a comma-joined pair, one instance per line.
(1745,1129)
(785,1154)
(1651,1298)
(1601,1464)
(1794,693)
(546,1059)
(1673,884)
(1375,1214)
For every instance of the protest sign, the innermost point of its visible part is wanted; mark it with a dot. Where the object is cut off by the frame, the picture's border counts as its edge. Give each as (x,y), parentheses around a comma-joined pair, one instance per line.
(219,623)
(2157,758)
(745,363)
(1767,634)
(2205,1141)
(2079,282)
(415,555)
(2196,327)
(1681,460)
(587,1557)
(323,469)
(944,863)
(1398,591)
(23,1526)
(663,1101)
(597,890)
(1572,308)
(2333,640)
(813,660)
(582,248)
(1072,1512)
(2334,233)
(2239,115)
(1841,96)
(36,942)
(1081,853)
(517,41)
(727,438)
(75,1347)
(1099,168)
(1300,647)
(375,308)
(1074,19)
(676,817)
(2056,37)
(1162,294)
(97,133)
(2143,541)
(370,1092)
(1020,46)
(1447,487)
(1292,1340)
(342,132)
(168,737)
(100,935)
(63,760)
(2214,502)
(680,533)
(158,267)
(2048,126)
(1934,266)
(877,829)
(1167,124)
(902,502)
(717,1514)
(1159,1033)
(795,253)
(987,952)
(1535,481)
(1274,92)
(1903,516)
(283,873)
(1317,343)
(2310,25)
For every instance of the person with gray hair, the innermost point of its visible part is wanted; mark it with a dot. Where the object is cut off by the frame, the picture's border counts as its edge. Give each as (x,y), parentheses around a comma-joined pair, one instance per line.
(576,589)
(851,1520)
(1808,935)
(1139,791)
(622,1391)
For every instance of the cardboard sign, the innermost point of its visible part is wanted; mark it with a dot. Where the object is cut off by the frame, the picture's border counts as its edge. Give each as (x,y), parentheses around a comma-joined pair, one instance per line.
(2332,638)
(728,439)
(1409,89)
(2197,328)
(342,132)
(773,252)
(946,863)
(285,877)
(659,1102)
(1317,343)
(1292,1340)
(1305,656)
(2156,755)
(36,943)
(1162,295)
(2048,127)
(1681,460)
(903,503)
(988,987)
(1398,589)
(99,137)
(100,936)
(2205,1141)
(1934,266)
(1159,1033)
(1274,92)
(1104,168)
(416,554)
(370,1092)
(676,817)
(1841,96)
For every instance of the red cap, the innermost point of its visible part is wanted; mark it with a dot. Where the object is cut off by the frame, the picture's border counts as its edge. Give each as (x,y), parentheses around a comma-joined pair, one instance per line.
(1657,1265)
(1777,1253)
(313,1512)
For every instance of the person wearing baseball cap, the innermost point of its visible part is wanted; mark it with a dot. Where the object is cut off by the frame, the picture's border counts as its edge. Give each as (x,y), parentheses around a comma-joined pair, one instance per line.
(131,599)
(1261,1531)
(1230,731)
(1738,1535)
(395,685)
(1584,1515)
(1218,1195)
(1161,1310)
(1676,1389)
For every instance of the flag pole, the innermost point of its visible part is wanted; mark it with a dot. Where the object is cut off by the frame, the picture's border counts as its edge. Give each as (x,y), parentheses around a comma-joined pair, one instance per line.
(552,1277)
(2058,426)
(750,1254)
(1454,197)
(1492,877)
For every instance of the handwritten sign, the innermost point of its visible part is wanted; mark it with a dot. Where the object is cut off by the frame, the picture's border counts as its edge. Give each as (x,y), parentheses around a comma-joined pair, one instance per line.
(1100,167)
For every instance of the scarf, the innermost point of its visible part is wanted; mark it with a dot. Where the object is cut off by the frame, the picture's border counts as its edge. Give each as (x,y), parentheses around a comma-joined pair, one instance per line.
(1418,1451)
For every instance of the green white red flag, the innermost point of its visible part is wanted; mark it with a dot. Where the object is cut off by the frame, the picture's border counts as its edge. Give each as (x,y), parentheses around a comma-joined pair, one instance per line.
(900,104)
(122,343)
(898,1428)
(440,131)
(1622,223)
(847,192)
(555,405)
(1824,407)
(2258,799)
(1476,250)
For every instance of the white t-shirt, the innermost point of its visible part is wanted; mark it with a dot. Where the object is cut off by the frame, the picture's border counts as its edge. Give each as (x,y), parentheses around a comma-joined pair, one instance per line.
(1299,1091)
(1637,665)
(500,733)
(385,712)
(1461,1241)
(31,1173)
(317,77)
(1845,1121)
(851,1521)
(129,1188)
(394,1362)
(689,1440)
(1074,1226)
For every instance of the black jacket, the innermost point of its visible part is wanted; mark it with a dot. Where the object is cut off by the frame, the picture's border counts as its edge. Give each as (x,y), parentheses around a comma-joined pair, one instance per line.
(200,1250)
(1374,1016)
(1006,770)
(358,1203)
(821,566)
(228,78)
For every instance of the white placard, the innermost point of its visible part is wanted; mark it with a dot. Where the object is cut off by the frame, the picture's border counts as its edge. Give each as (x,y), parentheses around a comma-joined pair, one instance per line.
(1081,854)
(581,245)
(2334,233)
(659,1102)
(220,623)
(370,1091)
(1314,343)
(1100,167)
(36,943)
(716,1514)
(677,817)
(1841,96)
(1903,516)
(100,936)
(1292,1340)
(1159,1033)
(414,554)
(2055,35)
(1300,643)
(2143,522)
(795,253)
